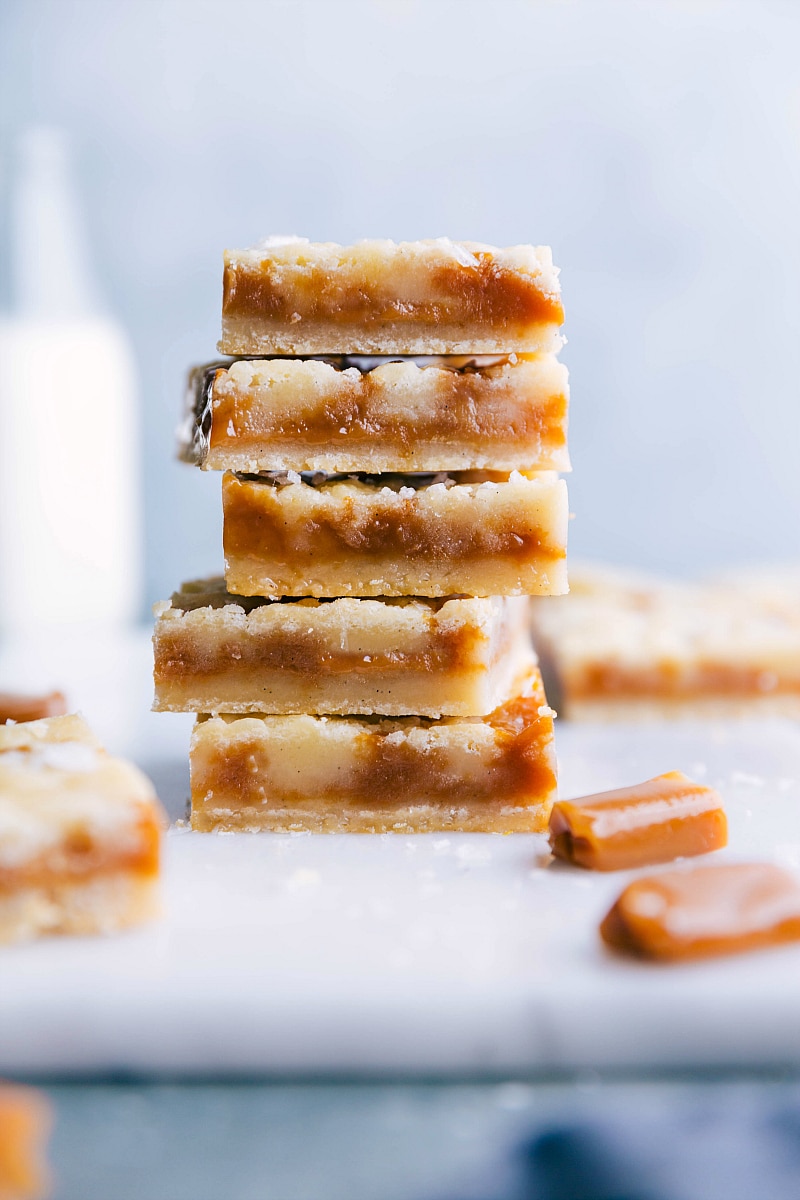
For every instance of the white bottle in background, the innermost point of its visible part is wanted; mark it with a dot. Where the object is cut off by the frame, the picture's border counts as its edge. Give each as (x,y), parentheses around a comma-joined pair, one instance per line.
(70,539)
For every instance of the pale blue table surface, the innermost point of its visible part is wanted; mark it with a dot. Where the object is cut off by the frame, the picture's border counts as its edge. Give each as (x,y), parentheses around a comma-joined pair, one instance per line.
(707,1138)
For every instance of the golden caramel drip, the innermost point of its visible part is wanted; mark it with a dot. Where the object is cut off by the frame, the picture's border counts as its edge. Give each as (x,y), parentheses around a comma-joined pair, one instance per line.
(17,707)
(665,818)
(724,909)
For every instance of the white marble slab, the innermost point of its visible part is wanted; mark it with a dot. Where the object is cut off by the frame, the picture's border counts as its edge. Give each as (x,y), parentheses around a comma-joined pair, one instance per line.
(462,954)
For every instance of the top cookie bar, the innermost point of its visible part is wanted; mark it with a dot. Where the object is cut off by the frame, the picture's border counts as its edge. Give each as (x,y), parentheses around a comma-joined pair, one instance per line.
(292,296)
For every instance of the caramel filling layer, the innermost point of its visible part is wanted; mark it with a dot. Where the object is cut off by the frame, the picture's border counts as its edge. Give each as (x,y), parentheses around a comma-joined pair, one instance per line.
(463,412)
(306,653)
(676,681)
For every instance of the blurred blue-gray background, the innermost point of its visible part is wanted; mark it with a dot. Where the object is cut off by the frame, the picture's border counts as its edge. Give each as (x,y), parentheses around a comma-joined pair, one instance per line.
(655,145)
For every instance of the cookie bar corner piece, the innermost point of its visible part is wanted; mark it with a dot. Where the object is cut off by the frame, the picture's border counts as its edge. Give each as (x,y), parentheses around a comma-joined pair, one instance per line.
(80,834)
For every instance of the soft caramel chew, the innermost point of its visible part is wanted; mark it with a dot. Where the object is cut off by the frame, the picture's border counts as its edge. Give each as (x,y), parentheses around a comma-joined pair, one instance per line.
(25,1122)
(79,833)
(218,653)
(624,646)
(665,818)
(384,537)
(18,706)
(722,909)
(377,775)
(292,296)
(357,414)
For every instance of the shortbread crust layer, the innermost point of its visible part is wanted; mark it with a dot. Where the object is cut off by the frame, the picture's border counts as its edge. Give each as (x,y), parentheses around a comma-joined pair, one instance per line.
(387,537)
(377,775)
(79,833)
(624,646)
(218,653)
(292,296)
(356,414)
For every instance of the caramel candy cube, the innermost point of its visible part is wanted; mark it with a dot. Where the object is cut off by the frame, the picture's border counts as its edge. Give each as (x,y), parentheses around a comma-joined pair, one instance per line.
(664,818)
(724,909)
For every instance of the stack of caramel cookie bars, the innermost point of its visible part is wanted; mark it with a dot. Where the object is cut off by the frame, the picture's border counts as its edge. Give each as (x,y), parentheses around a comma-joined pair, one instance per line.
(391,422)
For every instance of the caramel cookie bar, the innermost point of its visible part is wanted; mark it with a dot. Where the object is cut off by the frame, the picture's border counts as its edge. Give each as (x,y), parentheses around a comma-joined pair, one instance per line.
(292,296)
(377,775)
(395,536)
(624,646)
(220,653)
(359,414)
(79,833)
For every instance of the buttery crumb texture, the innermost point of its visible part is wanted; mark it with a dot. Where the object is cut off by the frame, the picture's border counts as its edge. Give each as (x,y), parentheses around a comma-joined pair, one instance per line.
(292,296)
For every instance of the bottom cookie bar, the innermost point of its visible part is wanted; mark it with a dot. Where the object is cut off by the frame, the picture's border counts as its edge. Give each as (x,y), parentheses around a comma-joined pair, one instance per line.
(494,774)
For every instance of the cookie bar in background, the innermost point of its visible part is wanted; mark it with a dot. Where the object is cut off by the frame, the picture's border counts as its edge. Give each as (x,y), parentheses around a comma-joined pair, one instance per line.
(353,413)
(494,774)
(79,833)
(292,296)
(400,535)
(221,653)
(627,646)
